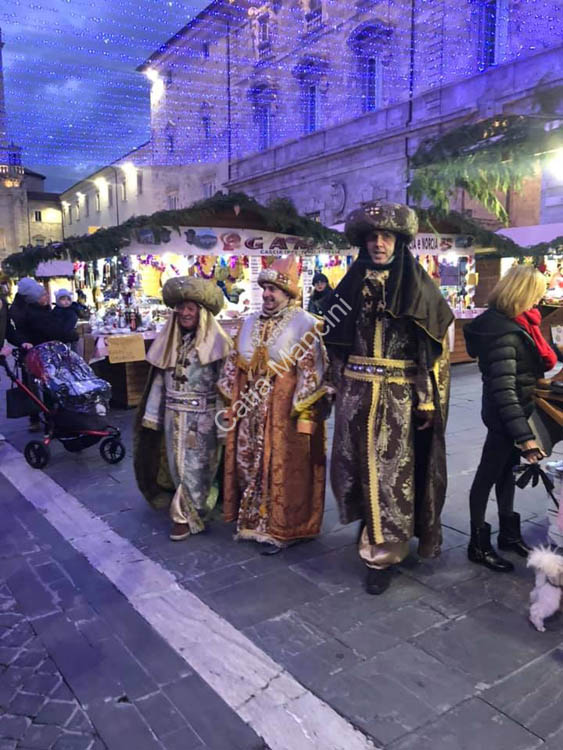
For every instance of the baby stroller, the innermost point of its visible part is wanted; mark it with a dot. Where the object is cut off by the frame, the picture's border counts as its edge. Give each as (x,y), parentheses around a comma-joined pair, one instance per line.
(68,397)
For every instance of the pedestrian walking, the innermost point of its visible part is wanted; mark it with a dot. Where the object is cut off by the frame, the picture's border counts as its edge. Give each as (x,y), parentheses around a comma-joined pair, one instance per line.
(390,371)
(512,355)
(176,450)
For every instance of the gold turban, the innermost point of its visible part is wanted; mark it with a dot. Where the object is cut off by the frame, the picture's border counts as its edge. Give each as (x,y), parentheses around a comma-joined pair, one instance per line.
(211,342)
(193,289)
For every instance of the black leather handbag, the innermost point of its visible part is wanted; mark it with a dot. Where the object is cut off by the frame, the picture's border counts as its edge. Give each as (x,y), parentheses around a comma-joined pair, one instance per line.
(18,404)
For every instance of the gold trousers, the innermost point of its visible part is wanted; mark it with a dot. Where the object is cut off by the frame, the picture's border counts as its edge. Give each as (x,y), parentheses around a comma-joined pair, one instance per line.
(381,555)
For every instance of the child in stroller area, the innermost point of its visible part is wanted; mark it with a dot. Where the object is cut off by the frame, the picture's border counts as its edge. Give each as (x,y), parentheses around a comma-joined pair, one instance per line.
(73,404)
(65,311)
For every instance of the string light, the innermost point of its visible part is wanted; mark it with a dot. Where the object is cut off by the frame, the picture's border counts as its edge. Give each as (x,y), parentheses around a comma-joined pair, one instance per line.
(75,100)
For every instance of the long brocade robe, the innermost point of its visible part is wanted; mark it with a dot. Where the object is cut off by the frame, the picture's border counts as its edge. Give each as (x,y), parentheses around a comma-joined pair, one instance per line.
(181,405)
(383,470)
(274,480)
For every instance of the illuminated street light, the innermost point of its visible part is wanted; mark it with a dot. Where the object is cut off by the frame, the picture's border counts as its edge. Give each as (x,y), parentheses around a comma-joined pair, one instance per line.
(555,164)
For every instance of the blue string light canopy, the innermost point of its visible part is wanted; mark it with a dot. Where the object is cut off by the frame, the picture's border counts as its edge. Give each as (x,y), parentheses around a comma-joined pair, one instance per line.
(75,101)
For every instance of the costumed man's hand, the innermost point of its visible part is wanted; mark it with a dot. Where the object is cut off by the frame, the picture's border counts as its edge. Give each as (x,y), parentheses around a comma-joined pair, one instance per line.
(424,419)
(5,351)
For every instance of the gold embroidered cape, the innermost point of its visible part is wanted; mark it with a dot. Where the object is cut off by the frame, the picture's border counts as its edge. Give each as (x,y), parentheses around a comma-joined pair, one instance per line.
(274,379)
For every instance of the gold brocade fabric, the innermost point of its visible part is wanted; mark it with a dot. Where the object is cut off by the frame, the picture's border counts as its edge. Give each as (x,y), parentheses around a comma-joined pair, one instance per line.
(274,473)
(377,470)
(274,476)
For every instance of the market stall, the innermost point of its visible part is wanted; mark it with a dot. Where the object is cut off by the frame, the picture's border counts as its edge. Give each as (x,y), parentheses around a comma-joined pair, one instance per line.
(450,261)
(229,238)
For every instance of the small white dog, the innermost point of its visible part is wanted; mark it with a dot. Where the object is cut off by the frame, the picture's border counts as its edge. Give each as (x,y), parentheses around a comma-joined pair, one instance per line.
(546,594)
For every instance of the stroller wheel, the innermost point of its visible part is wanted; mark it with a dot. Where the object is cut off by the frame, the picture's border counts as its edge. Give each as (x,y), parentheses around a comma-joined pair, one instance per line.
(37,454)
(112,450)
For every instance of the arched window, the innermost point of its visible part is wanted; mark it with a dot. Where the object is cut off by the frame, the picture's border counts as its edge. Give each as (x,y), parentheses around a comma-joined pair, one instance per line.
(312,74)
(493,32)
(263,98)
(264,118)
(311,107)
(205,115)
(371,83)
(169,137)
(370,45)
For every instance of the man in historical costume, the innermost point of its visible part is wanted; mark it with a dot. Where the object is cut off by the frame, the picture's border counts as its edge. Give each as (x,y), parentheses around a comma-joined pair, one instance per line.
(176,437)
(274,381)
(390,370)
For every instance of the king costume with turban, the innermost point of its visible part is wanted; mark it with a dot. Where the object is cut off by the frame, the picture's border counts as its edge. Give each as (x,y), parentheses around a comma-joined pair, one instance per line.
(390,371)
(274,381)
(177,453)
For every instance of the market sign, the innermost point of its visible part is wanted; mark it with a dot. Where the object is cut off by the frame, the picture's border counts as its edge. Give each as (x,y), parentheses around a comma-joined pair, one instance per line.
(127,348)
(436,244)
(224,241)
(51,269)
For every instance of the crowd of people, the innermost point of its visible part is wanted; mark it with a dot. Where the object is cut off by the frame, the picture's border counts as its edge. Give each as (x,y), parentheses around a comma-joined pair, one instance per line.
(246,420)
(375,349)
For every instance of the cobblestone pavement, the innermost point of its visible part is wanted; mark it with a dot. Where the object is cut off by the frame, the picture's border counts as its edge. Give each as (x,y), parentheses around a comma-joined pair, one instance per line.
(444,660)
(80,669)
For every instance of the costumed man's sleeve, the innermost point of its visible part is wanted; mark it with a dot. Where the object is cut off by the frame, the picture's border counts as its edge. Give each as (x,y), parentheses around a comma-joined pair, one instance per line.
(423,385)
(227,376)
(153,418)
(312,368)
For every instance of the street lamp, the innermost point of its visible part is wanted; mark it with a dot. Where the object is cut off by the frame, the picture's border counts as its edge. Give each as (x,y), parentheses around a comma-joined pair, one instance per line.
(555,164)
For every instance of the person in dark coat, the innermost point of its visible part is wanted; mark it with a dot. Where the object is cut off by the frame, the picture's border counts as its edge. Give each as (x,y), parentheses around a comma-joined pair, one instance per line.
(7,330)
(18,311)
(40,324)
(322,292)
(512,355)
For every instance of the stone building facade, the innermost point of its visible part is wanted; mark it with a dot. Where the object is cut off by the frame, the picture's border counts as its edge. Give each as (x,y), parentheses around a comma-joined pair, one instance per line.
(324,101)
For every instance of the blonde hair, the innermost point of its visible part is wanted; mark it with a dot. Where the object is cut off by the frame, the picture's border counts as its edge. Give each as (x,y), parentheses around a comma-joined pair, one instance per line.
(518,290)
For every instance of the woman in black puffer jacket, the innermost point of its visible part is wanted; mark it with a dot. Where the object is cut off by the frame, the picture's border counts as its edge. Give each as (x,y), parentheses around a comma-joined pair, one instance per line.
(512,355)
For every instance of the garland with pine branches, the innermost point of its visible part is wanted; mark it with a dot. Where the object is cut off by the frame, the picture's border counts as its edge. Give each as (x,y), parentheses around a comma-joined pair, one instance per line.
(484,159)
(229,210)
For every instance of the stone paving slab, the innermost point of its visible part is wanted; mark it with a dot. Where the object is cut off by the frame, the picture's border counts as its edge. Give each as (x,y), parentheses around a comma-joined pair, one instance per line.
(67,686)
(422,667)
(473,725)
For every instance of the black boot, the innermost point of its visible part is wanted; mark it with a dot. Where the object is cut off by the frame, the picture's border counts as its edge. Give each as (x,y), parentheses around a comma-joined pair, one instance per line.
(510,537)
(481,551)
(378,580)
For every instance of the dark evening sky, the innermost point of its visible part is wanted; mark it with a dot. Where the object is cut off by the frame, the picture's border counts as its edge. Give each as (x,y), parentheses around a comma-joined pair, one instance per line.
(73,98)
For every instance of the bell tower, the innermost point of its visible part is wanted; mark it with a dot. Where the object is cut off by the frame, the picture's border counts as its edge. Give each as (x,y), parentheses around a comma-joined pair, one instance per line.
(11,170)
(13,195)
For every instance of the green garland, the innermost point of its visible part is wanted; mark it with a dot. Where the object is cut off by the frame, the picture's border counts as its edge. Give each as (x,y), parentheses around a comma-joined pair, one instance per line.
(484,159)
(234,209)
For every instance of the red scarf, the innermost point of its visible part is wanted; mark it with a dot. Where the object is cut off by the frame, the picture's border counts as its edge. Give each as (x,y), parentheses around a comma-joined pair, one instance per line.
(530,321)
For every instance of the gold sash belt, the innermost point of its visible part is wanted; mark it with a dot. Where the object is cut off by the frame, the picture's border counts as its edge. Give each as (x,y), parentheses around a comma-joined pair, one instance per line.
(372,368)
(190,401)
